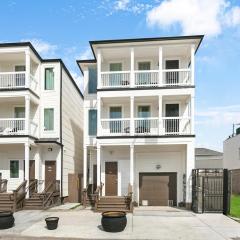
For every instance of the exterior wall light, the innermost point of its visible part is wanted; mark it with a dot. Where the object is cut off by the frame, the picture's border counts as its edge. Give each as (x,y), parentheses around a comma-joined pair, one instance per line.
(158,166)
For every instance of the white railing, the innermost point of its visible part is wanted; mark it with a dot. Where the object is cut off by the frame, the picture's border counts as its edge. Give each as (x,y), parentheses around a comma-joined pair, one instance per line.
(33,129)
(12,126)
(116,126)
(11,80)
(176,77)
(146,126)
(176,125)
(33,83)
(147,78)
(115,79)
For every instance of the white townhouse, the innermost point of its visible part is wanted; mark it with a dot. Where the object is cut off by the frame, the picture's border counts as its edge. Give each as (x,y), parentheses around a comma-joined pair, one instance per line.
(139,133)
(41,123)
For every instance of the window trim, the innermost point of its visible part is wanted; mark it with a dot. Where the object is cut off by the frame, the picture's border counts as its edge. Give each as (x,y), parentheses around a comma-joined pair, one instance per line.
(46,130)
(44,82)
(113,62)
(91,135)
(11,160)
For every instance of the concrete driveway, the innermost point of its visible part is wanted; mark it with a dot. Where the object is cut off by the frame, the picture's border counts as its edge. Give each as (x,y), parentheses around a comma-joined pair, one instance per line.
(144,223)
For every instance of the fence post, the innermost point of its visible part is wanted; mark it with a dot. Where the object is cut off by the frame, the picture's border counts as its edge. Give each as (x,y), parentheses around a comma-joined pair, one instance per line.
(226,197)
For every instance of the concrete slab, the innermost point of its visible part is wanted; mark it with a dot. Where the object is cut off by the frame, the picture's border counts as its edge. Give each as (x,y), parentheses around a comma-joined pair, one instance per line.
(85,224)
(66,206)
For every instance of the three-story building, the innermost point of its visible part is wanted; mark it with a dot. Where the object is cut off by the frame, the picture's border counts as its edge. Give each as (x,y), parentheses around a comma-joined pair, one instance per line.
(139,118)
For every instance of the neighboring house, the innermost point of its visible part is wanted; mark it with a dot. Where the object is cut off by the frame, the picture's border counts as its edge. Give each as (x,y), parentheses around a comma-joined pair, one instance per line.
(231,152)
(139,119)
(41,123)
(207,158)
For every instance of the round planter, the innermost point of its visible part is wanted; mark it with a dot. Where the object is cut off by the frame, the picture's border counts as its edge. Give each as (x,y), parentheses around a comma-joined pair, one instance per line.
(52,222)
(114,221)
(6,220)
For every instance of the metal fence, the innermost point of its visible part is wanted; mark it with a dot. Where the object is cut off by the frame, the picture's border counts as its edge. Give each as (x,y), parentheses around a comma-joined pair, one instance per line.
(210,190)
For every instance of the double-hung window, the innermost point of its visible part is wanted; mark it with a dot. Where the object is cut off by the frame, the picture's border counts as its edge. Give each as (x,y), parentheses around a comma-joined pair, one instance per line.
(49,79)
(92,122)
(48,119)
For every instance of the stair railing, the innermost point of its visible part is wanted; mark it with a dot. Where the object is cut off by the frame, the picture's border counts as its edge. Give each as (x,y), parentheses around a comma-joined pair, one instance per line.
(19,196)
(3,185)
(129,197)
(98,193)
(50,193)
(32,187)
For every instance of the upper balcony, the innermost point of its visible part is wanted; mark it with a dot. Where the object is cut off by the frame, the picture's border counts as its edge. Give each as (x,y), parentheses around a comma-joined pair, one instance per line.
(146,66)
(18,70)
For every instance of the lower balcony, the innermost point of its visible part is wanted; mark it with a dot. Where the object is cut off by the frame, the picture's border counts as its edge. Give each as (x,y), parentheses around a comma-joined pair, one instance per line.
(17,126)
(146,126)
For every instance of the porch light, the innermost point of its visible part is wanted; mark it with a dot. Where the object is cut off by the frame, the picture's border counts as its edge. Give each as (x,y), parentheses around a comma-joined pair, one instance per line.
(158,166)
(50,149)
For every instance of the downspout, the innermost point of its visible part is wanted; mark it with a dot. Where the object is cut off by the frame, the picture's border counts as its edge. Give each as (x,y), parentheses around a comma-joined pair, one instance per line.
(61,131)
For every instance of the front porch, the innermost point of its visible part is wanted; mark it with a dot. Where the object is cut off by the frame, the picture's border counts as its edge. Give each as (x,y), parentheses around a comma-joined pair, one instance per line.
(153,175)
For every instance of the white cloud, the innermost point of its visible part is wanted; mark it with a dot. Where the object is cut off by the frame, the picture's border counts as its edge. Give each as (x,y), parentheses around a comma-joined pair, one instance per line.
(86,54)
(121,4)
(194,16)
(78,79)
(44,48)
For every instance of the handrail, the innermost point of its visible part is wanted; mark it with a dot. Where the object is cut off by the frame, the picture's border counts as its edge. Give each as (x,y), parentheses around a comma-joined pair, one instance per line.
(5,73)
(115,72)
(114,119)
(3,185)
(48,195)
(32,186)
(18,197)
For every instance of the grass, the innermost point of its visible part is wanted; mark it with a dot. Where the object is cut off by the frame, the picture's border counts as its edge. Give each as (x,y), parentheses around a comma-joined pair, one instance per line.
(235,206)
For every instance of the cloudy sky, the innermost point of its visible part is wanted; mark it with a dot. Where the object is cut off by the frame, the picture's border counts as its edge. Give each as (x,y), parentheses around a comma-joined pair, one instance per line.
(62,29)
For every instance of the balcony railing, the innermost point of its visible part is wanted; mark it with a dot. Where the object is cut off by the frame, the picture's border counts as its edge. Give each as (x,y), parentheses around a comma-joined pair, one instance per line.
(146,78)
(146,126)
(12,126)
(16,80)
(16,126)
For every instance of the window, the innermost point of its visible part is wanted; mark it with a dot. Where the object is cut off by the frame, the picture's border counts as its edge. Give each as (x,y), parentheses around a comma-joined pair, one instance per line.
(48,119)
(115,79)
(14,169)
(49,79)
(144,124)
(144,111)
(115,125)
(144,66)
(19,112)
(144,78)
(92,122)
(92,80)
(115,67)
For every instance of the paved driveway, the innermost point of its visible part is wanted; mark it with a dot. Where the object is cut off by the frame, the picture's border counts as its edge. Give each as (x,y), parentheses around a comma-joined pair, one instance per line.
(144,223)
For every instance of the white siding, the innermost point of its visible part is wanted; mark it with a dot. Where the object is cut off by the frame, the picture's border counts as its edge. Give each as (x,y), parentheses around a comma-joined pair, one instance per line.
(72,127)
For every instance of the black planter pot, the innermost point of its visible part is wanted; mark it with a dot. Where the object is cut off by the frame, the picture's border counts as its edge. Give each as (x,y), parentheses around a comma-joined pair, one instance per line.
(114,221)
(52,222)
(6,220)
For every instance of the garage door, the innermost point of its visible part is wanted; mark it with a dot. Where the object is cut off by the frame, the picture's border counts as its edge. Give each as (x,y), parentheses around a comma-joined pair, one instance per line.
(158,188)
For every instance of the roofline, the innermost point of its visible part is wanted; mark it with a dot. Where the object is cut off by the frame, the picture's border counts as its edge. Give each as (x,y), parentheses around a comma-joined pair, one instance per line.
(128,40)
(46,60)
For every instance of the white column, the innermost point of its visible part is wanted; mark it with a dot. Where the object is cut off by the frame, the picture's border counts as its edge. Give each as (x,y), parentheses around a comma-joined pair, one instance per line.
(37,164)
(160,123)
(27,115)
(28,66)
(132,75)
(132,115)
(192,115)
(190,165)
(160,76)
(26,157)
(98,165)
(132,165)
(99,60)
(193,64)
(99,127)
(85,167)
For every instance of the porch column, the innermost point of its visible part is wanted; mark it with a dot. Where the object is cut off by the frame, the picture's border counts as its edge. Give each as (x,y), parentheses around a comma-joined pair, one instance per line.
(132,75)
(98,165)
(160,121)
(132,165)
(99,60)
(85,167)
(192,115)
(28,66)
(27,115)
(131,115)
(37,164)
(26,157)
(192,63)
(99,127)
(160,73)
(190,165)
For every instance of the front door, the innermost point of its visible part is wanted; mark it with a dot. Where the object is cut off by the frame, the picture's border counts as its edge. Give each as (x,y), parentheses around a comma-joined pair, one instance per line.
(94,177)
(172,124)
(32,170)
(111,178)
(50,172)
(172,77)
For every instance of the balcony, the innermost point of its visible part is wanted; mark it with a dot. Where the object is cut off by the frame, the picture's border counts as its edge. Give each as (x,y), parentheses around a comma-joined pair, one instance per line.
(17,80)
(146,126)
(17,126)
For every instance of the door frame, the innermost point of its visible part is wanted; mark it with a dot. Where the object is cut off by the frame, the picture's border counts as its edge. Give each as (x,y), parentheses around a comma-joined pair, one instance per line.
(170,59)
(172,102)
(105,177)
(44,170)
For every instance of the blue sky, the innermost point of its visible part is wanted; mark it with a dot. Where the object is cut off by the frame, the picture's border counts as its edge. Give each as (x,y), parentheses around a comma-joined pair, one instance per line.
(62,29)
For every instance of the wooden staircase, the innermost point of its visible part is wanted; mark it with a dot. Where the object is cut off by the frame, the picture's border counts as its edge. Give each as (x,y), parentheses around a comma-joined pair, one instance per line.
(113,203)
(49,197)
(13,201)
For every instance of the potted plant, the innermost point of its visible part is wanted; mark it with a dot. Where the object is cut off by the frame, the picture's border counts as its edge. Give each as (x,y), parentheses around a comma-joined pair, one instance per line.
(52,222)
(6,219)
(114,221)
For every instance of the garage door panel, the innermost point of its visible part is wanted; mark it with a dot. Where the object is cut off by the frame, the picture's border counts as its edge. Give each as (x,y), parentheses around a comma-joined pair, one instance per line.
(157,188)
